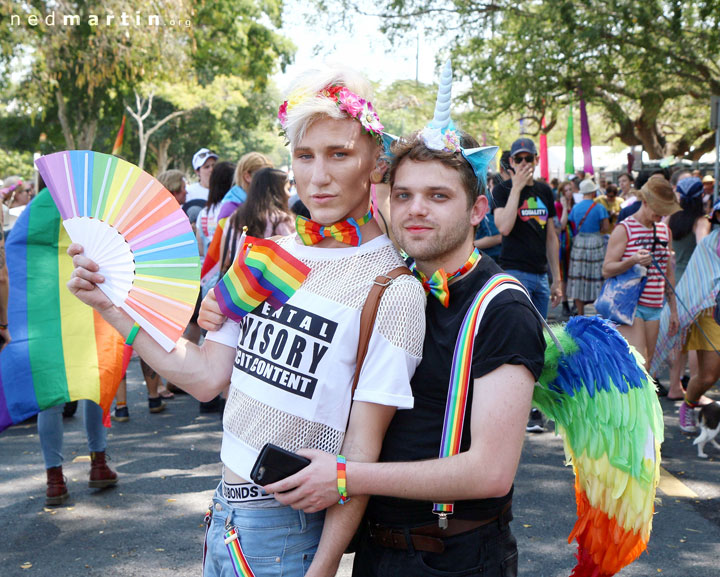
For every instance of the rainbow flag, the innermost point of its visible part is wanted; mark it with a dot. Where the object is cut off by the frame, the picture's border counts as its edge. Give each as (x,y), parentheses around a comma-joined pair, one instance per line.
(262,271)
(211,264)
(117,147)
(62,350)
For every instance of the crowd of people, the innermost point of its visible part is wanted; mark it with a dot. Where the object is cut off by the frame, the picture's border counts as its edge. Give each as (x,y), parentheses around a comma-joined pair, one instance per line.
(345,209)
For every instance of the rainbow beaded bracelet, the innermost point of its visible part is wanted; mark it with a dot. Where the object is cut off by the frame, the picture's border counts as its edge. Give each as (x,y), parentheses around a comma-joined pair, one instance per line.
(342,479)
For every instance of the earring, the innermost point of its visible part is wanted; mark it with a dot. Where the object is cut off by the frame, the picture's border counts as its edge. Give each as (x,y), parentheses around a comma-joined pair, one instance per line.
(376,175)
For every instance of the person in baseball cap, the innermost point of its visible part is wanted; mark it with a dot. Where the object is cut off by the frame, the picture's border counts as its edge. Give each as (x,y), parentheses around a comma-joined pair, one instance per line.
(524,212)
(203,162)
(523,145)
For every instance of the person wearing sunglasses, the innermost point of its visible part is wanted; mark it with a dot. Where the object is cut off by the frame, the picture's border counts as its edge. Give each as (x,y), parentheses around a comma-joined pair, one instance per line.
(524,212)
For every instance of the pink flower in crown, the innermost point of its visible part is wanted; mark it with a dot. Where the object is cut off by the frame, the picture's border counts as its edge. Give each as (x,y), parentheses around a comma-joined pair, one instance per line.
(451,141)
(350,102)
(370,120)
(282,113)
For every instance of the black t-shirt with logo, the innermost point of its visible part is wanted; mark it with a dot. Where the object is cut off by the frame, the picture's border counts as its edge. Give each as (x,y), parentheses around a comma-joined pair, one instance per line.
(510,333)
(524,248)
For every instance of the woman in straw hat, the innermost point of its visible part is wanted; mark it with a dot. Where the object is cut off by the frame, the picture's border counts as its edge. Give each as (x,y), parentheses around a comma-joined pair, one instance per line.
(643,239)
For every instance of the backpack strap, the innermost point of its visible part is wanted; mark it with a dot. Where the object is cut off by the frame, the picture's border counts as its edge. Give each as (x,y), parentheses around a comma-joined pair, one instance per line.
(367,317)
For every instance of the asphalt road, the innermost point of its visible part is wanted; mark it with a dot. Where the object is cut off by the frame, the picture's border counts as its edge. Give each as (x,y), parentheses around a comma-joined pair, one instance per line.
(151,523)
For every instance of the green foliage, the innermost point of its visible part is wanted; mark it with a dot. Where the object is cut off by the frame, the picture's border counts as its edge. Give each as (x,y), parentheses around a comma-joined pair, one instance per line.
(650,66)
(405,106)
(14,162)
(214,56)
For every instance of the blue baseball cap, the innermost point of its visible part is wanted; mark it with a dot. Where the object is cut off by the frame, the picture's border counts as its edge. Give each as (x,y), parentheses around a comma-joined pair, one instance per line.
(523,145)
(691,187)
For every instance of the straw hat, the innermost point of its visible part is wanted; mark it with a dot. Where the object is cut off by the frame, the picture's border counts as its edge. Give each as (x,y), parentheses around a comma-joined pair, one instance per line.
(658,194)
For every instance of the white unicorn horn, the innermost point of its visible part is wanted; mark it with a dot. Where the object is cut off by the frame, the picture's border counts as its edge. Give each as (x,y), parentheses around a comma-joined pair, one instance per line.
(441,118)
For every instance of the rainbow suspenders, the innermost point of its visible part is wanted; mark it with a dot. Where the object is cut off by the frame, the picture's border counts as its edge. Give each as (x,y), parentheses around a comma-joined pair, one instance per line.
(461,374)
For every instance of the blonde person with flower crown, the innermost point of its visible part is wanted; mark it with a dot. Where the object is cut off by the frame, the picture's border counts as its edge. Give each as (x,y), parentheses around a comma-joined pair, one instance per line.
(311,341)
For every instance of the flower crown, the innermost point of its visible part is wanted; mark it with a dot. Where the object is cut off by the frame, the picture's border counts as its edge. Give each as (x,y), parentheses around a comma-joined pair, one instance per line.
(347,101)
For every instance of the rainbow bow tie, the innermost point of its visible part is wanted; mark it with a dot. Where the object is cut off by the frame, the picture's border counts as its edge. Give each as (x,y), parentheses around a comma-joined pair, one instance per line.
(437,284)
(345,231)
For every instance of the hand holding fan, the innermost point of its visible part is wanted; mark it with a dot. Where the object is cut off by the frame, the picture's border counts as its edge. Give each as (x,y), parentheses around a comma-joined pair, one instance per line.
(136,232)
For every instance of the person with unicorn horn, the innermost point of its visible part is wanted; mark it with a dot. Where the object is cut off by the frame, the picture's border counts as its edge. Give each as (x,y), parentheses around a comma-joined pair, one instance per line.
(291,369)
(484,343)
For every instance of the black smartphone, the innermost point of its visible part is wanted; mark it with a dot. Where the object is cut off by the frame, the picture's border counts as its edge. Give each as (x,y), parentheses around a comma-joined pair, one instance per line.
(275,463)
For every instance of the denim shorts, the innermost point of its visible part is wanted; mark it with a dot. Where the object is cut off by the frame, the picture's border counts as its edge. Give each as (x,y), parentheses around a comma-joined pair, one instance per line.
(648,313)
(276,541)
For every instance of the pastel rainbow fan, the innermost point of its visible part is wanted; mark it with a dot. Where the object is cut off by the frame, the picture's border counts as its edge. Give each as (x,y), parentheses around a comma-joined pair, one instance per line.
(137,233)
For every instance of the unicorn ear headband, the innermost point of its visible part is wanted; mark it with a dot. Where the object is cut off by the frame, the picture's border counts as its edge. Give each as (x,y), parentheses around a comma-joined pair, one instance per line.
(441,134)
(347,101)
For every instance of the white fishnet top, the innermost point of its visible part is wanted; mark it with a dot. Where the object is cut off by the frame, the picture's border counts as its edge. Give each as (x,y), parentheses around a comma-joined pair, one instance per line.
(293,368)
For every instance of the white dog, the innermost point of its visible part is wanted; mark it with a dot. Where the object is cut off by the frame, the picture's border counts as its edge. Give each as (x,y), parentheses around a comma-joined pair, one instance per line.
(709,423)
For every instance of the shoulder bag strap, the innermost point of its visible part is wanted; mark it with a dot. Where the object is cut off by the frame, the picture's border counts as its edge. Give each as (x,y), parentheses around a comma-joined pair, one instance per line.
(584,217)
(369,312)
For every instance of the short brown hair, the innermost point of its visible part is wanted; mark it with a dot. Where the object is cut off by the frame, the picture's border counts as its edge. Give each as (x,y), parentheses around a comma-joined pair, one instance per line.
(172,180)
(414,148)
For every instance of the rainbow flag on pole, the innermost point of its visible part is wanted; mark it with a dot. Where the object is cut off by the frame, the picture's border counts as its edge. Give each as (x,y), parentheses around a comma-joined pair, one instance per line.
(262,271)
(117,147)
(62,350)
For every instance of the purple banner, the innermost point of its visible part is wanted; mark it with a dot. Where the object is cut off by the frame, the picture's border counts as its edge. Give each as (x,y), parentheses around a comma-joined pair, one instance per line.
(585,139)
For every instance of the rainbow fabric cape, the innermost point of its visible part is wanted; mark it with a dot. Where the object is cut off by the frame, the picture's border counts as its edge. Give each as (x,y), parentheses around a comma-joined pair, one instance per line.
(606,409)
(262,271)
(62,350)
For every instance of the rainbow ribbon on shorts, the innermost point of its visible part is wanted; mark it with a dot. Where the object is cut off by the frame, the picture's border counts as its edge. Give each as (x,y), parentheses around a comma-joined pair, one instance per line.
(239,563)
(461,371)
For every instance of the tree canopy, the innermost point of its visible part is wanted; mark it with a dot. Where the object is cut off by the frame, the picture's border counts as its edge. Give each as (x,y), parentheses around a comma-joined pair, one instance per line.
(74,66)
(650,66)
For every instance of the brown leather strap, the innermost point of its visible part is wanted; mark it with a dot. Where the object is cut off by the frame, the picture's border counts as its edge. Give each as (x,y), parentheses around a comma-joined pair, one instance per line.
(393,539)
(367,317)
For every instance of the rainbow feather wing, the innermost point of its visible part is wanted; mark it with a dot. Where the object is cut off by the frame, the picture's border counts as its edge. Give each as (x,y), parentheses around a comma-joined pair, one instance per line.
(606,409)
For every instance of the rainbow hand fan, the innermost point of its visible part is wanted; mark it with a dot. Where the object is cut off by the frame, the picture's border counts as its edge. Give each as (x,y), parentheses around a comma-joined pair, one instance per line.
(136,232)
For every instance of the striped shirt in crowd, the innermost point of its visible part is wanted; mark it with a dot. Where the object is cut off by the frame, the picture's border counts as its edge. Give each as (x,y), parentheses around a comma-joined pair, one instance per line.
(655,240)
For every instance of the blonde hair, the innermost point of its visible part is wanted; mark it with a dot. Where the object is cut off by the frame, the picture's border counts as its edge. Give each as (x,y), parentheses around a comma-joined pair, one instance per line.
(305,105)
(172,180)
(250,162)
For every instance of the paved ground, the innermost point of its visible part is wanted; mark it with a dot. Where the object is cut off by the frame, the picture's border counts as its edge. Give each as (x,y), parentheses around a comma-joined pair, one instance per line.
(150,524)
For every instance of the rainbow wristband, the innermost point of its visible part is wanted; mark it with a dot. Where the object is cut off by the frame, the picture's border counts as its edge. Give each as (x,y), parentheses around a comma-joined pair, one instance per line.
(342,479)
(133,333)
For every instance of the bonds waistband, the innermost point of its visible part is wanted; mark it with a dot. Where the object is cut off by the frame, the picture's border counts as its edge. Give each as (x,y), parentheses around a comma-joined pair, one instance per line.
(243,492)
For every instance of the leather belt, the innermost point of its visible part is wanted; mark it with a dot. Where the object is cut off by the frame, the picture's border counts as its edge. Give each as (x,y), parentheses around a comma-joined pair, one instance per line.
(428,537)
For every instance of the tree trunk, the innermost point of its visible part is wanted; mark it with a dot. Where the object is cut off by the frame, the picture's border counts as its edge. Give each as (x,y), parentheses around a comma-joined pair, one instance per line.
(87,134)
(161,154)
(64,121)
